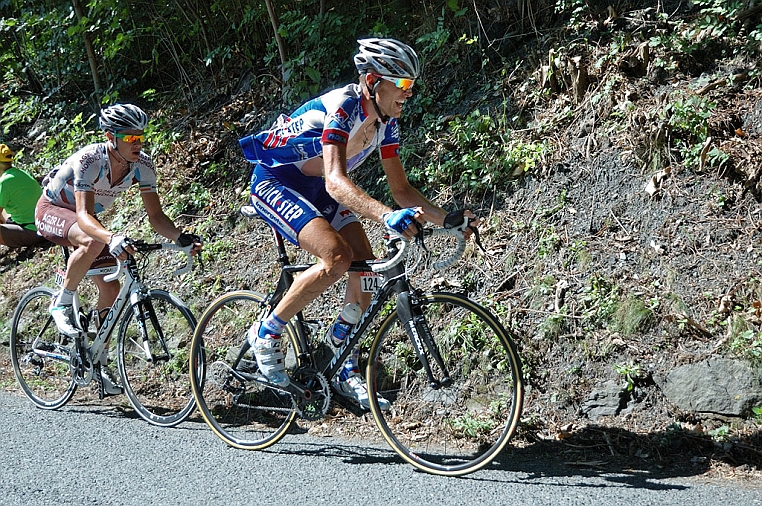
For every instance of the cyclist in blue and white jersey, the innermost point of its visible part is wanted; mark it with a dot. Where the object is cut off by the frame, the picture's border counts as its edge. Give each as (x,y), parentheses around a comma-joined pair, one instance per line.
(300,185)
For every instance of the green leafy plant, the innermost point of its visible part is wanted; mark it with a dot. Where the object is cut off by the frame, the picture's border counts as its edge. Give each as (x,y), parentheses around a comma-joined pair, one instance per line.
(631,373)
(478,153)
(470,426)
(720,433)
(600,301)
(746,344)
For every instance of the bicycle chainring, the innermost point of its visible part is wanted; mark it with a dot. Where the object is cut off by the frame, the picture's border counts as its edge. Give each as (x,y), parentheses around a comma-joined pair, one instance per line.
(80,366)
(314,403)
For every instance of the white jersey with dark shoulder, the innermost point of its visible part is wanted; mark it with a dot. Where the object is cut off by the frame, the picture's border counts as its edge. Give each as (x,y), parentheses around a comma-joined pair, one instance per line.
(89,170)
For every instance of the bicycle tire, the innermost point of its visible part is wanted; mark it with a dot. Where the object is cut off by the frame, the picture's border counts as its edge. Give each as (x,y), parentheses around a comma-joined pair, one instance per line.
(458,429)
(46,380)
(245,414)
(158,387)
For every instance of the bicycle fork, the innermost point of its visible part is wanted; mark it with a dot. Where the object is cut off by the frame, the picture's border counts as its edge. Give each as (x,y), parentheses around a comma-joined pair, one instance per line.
(414,322)
(143,310)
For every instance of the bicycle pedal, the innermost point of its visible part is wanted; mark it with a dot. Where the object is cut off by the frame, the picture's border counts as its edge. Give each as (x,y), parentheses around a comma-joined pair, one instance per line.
(248,366)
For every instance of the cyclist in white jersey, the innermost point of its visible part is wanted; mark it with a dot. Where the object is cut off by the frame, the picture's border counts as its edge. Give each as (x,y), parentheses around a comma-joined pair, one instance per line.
(300,186)
(86,184)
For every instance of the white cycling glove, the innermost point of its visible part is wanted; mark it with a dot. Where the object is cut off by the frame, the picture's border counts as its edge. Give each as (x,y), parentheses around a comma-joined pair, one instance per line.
(118,244)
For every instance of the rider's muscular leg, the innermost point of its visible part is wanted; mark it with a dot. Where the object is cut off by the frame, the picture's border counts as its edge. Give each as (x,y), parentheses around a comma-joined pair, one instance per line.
(334,258)
(355,235)
(107,292)
(87,250)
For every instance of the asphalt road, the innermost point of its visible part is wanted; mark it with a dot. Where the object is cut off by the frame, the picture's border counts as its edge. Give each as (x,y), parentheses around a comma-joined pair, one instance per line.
(105,455)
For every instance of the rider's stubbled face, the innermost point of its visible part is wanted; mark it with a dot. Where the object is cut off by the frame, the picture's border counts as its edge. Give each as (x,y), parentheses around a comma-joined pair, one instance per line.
(391,99)
(130,150)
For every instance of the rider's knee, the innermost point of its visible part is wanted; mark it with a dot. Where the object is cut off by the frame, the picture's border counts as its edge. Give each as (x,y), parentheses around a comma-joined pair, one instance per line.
(90,247)
(339,261)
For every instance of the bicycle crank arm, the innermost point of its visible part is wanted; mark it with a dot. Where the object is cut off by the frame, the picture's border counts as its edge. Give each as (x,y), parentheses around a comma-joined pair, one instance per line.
(293,388)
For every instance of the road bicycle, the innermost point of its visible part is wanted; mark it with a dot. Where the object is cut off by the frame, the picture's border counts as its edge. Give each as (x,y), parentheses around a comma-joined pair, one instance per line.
(151,348)
(445,363)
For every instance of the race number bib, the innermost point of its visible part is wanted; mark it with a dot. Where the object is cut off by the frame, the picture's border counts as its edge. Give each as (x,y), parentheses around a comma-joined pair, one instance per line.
(370,281)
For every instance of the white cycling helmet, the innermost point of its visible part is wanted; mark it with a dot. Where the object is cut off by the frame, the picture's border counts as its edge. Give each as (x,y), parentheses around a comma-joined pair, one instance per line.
(122,117)
(387,57)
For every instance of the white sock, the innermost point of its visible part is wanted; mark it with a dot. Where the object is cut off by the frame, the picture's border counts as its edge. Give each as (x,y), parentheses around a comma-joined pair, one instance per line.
(65,297)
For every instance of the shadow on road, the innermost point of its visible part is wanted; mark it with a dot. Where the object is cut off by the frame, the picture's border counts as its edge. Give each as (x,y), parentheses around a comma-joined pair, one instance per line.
(618,456)
(629,458)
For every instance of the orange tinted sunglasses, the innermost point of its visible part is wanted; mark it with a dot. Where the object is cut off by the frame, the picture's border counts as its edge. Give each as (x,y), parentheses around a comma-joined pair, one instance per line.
(400,82)
(131,138)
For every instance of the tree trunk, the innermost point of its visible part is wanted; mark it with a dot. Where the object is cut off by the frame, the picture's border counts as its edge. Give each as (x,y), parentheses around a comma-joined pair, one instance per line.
(97,84)
(278,40)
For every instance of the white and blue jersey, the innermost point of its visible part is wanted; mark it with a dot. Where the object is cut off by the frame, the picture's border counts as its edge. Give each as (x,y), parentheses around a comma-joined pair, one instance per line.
(331,118)
(282,194)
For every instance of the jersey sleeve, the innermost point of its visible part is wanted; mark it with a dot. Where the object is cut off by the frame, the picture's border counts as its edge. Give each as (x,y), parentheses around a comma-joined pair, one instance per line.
(86,166)
(145,174)
(3,194)
(339,120)
(390,144)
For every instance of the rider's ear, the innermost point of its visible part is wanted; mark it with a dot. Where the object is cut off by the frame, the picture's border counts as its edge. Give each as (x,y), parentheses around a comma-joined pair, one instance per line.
(112,139)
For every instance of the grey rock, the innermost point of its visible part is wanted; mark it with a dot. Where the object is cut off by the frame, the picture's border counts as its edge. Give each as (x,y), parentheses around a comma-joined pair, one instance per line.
(608,400)
(719,386)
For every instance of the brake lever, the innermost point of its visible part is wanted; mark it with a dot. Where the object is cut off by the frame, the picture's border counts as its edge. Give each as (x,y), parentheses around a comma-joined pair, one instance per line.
(477,239)
(419,237)
(457,219)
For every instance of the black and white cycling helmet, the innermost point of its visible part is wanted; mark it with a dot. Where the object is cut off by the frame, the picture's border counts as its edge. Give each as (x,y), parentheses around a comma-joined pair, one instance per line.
(122,117)
(387,57)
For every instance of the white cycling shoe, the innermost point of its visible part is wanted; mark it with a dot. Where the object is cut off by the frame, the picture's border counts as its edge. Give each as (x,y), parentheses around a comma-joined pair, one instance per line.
(63,316)
(354,388)
(269,355)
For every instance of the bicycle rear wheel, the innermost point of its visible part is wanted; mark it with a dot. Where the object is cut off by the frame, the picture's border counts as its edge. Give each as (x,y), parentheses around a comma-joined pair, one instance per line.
(157,384)
(243,412)
(459,428)
(40,360)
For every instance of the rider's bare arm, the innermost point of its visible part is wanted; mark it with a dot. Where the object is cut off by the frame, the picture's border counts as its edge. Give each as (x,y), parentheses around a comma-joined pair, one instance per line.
(406,195)
(341,188)
(156,217)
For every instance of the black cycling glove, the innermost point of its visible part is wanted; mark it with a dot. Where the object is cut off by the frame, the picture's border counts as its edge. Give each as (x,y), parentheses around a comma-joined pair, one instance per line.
(188,239)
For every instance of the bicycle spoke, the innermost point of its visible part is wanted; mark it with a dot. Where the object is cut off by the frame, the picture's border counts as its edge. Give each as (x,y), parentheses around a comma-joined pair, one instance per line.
(244,413)
(153,351)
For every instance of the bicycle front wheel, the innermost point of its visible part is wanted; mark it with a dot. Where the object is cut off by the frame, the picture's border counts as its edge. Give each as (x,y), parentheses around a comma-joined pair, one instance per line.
(460,425)
(243,412)
(40,359)
(153,347)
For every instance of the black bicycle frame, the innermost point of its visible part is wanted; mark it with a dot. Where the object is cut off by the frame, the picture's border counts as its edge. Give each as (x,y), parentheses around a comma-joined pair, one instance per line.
(395,281)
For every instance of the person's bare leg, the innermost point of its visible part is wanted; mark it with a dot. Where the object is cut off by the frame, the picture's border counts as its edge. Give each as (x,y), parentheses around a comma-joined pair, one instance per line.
(107,292)
(87,250)
(355,236)
(334,256)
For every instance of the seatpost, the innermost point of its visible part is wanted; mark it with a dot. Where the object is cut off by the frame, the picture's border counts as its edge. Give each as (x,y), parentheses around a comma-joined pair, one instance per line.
(281,246)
